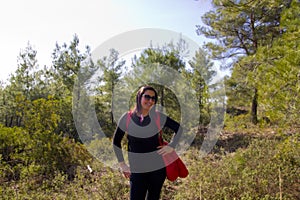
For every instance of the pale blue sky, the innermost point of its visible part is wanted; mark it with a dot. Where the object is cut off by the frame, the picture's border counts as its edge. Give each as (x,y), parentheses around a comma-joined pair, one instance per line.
(42,23)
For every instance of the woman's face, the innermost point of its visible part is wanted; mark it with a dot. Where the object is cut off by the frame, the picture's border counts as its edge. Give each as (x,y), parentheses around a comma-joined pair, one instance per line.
(148,100)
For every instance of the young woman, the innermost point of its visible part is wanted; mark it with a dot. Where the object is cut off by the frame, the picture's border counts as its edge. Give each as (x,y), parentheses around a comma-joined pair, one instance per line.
(146,169)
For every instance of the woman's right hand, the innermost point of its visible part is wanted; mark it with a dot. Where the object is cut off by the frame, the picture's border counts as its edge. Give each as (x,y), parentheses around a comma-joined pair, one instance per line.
(125,169)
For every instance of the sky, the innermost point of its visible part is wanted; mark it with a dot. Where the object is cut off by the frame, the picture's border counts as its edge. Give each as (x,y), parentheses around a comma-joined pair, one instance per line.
(44,23)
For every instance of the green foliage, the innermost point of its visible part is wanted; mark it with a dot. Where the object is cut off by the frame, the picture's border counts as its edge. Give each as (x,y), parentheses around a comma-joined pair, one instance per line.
(42,116)
(233,123)
(102,184)
(101,148)
(55,153)
(278,73)
(67,61)
(267,169)
(23,88)
(111,67)
(200,76)
(38,156)
(275,75)
(14,145)
(239,28)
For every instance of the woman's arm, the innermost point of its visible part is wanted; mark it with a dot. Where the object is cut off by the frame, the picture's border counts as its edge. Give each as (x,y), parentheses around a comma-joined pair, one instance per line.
(117,139)
(174,126)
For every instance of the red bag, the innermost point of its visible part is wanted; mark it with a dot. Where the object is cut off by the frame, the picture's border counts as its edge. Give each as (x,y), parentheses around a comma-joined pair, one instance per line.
(174,165)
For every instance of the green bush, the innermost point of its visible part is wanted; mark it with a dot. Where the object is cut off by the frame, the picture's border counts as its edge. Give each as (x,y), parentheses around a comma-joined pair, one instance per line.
(14,146)
(55,153)
(267,169)
(37,167)
(239,122)
(34,158)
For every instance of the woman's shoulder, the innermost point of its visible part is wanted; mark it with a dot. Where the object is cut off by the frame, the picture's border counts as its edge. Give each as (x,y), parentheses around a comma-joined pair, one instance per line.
(160,116)
(124,116)
(125,119)
(160,113)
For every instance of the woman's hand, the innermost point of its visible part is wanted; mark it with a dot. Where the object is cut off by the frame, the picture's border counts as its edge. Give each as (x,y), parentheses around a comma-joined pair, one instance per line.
(125,169)
(164,150)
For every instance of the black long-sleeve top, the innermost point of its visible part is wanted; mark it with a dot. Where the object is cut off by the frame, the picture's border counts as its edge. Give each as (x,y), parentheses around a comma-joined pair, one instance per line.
(143,140)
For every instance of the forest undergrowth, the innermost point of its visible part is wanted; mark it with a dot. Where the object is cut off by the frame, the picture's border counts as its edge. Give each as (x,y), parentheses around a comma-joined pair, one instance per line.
(249,163)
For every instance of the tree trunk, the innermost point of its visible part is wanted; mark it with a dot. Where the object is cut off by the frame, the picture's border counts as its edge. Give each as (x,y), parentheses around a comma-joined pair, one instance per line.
(11,121)
(162,99)
(254,107)
(112,104)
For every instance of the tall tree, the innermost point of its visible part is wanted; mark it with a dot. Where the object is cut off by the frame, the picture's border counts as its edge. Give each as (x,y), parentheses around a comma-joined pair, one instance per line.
(67,62)
(170,56)
(200,74)
(21,88)
(69,65)
(238,28)
(112,67)
(2,104)
(279,71)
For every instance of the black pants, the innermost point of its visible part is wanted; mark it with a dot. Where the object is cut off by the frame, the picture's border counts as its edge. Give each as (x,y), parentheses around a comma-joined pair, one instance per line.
(147,185)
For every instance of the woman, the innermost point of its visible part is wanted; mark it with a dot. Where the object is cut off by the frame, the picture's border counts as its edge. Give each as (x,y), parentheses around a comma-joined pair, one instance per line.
(147,172)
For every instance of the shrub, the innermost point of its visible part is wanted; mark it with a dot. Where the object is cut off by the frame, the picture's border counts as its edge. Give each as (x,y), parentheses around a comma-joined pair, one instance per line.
(14,145)
(267,169)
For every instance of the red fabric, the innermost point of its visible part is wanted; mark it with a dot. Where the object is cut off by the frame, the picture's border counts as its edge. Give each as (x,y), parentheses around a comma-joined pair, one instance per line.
(174,166)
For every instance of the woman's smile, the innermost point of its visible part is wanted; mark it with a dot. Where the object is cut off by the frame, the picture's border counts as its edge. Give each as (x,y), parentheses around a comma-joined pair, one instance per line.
(148,100)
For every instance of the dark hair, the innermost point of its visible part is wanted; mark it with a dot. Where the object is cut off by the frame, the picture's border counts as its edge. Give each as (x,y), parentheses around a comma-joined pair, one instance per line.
(140,92)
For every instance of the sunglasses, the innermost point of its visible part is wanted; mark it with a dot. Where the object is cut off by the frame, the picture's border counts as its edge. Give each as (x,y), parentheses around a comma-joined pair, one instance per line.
(148,97)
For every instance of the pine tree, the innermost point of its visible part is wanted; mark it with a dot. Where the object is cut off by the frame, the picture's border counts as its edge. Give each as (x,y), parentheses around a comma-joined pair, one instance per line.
(238,29)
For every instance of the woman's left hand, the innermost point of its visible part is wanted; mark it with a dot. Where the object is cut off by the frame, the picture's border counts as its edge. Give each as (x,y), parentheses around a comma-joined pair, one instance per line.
(164,150)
